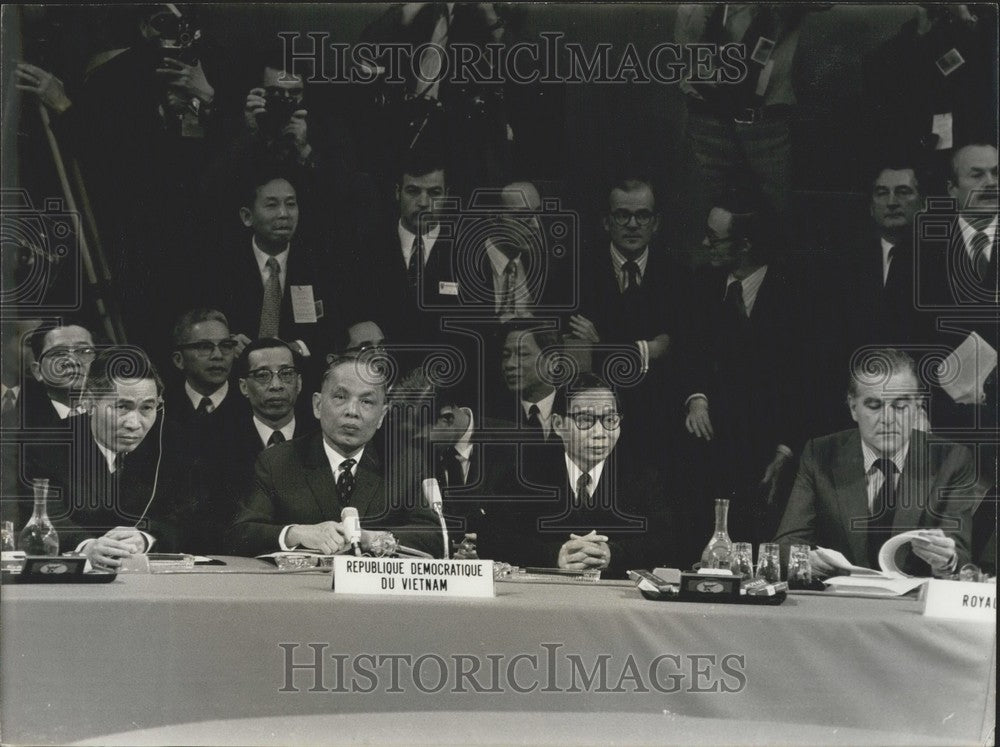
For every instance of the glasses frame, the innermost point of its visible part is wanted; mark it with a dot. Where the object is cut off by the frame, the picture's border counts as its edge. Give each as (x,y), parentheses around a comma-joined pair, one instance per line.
(199,347)
(603,417)
(286,375)
(621,217)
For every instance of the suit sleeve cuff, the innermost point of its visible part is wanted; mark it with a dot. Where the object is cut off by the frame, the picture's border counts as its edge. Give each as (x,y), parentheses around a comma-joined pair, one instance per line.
(694,396)
(782,449)
(281,540)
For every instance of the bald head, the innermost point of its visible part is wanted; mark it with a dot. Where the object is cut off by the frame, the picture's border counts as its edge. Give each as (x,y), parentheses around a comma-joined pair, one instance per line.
(520,196)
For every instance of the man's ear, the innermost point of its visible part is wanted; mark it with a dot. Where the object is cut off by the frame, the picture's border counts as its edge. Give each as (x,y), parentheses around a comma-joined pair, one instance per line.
(606,222)
(243,387)
(246,216)
(177,359)
(385,409)
(317,398)
(852,404)
(656,223)
(36,371)
(397,193)
(558,421)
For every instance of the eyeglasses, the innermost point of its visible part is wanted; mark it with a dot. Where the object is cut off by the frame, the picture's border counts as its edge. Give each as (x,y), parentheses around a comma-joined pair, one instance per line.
(621,217)
(82,353)
(264,376)
(206,348)
(585,420)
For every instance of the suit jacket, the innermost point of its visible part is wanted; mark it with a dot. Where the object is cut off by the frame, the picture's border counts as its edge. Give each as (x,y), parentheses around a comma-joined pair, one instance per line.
(935,489)
(86,499)
(631,507)
(402,318)
(293,484)
(233,284)
(751,373)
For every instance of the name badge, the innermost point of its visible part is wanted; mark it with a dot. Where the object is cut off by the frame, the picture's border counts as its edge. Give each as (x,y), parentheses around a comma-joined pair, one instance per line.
(950,61)
(305,309)
(447,289)
(407,577)
(961,600)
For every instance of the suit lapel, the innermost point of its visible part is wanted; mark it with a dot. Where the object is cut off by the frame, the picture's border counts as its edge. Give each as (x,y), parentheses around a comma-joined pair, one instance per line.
(368,483)
(912,490)
(319,477)
(852,496)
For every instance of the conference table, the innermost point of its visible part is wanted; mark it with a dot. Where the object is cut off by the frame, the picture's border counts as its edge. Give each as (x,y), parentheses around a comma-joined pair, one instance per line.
(247,654)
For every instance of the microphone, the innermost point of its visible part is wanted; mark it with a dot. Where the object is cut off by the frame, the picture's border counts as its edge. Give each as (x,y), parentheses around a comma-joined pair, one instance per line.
(352,527)
(432,494)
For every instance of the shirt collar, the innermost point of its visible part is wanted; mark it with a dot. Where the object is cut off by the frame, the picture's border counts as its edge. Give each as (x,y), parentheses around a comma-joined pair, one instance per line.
(869,456)
(109,455)
(618,260)
(969,232)
(336,459)
(544,406)
(265,431)
(749,279)
(499,260)
(574,472)
(407,237)
(262,258)
(63,411)
(4,389)
(216,397)
(464,445)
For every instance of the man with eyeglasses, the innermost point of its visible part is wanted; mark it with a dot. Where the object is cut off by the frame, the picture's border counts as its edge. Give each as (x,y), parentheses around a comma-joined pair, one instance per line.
(63,352)
(611,513)
(301,486)
(271,382)
(858,487)
(632,304)
(102,499)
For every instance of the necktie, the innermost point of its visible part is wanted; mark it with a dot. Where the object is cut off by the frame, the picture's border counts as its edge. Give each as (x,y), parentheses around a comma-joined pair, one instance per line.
(535,421)
(430,58)
(345,482)
(980,262)
(734,301)
(270,310)
(450,472)
(890,255)
(204,407)
(277,437)
(883,509)
(414,264)
(9,400)
(119,462)
(583,497)
(508,307)
(631,270)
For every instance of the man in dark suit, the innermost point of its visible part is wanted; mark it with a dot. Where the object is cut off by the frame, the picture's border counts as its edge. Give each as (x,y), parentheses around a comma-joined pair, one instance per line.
(857,488)
(604,511)
(301,486)
(270,286)
(63,352)
(201,414)
(104,481)
(881,309)
(631,309)
(749,360)
(530,350)
(422,104)
(477,462)
(15,367)
(411,261)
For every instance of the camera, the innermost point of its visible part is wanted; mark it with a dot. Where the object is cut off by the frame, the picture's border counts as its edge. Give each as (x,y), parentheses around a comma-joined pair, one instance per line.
(278,109)
(547,240)
(40,253)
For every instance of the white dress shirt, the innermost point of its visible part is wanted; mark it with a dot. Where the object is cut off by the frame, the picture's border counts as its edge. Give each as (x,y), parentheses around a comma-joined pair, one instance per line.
(407,237)
(751,285)
(265,431)
(969,233)
(573,472)
(262,257)
(215,397)
(544,411)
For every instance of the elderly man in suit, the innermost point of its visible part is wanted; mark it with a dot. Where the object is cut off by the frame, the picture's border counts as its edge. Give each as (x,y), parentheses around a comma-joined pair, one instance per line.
(857,488)
(301,486)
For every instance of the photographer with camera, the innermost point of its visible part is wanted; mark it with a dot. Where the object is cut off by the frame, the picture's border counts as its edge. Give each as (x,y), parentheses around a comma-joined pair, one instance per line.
(275,112)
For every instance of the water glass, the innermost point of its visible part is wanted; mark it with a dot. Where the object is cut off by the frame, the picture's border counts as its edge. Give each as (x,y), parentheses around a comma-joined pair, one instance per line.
(769,562)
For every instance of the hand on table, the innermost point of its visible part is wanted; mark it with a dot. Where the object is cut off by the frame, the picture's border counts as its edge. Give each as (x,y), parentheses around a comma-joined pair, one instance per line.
(580,553)
(935,549)
(327,537)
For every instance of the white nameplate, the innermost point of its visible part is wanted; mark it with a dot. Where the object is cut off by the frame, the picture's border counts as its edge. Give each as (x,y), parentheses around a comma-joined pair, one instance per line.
(413,577)
(961,600)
